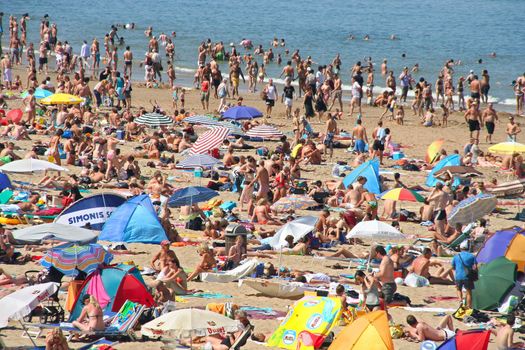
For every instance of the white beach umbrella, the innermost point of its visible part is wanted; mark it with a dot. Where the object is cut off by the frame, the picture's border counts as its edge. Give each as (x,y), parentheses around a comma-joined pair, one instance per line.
(54,231)
(189,323)
(20,303)
(297,228)
(30,165)
(375,230)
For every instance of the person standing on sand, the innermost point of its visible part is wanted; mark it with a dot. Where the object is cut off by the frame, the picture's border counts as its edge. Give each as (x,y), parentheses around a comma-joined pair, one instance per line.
(439,199)
(405,81)
(513,129)
(357,94)
(385,274)
(475,89)
(263,178)
(330,132)
(271,95)
(235,72)
(287,96)
(473,119)
(337,93)
(359,136)
(463,262)
(490,117)
(30,106)
(485,86)
(7,74)
(128,61)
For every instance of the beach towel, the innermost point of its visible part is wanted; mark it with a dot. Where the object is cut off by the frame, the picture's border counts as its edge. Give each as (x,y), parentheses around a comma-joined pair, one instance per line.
(210,295)
(232,275)
(96,288)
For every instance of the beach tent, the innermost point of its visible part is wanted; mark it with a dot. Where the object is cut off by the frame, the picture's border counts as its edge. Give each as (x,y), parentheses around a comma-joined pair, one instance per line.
(370,331)
(112,286)
(369,170)
(307,324)
(452,160)
(509,243)
(474,339)
(93,210)
(134,222)
(4,182)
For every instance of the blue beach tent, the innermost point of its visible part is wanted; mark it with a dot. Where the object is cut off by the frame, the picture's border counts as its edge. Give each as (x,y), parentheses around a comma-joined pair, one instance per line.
(134,222)
(452,160)
(369,170)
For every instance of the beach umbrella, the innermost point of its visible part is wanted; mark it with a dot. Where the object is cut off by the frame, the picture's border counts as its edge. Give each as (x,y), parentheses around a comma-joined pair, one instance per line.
(370,331)
(53,231)
(310,320)
(509,243)
(472,339)
(189,323)
(198,161)
(241,112)
(451,160)
(39,93)
(297,228)
(402,194)
(234,129)
(20,303)
(376,230)
(30,165)
(201,120)
(293,202)
(62,99)
(449,172)
(191,195)
(472,208)
(71,257)
(154,120)
(15,115)
(265,132)
(510,188)
(496,279)
(209,140)
(433,151)
(507,148)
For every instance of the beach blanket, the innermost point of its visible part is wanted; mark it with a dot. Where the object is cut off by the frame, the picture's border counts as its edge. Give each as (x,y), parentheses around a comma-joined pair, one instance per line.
(233,275)
(209,295)
(427,309)
(262,313)
(277,288)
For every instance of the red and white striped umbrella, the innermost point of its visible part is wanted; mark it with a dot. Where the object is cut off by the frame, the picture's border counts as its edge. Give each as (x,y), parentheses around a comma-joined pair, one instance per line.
(265,132)
(209,140)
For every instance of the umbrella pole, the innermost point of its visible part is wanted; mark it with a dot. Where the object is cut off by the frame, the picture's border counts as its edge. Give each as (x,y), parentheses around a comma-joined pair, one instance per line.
(26,331)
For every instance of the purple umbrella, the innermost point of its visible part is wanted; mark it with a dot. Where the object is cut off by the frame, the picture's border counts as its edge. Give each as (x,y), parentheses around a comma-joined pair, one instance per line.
(241,112)
(497,245)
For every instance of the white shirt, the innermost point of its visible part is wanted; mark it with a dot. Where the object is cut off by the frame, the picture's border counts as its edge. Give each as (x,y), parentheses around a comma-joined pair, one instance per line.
(356,89)
(84,50)
(271,92)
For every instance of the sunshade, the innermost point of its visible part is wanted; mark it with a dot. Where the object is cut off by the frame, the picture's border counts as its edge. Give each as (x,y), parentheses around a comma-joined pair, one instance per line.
(453,159)
(154,120)
(30,165)
(19,304)
(507,148)
(448,172)
(402,194)
(201,120)
(293,202)
(54,231)
(70,258)
(62,99)
(188,323)
(375,229)
(369,170)
(495,280)
(39,93)
(15,115)
(472,208)
(510,188)
(297,228)
(509,243)
(242,112)
(191,195)
(369,332)
(265,132)
(433,151)
(307,324)
(203,161)
(234,129)
(474,339)
(209,140)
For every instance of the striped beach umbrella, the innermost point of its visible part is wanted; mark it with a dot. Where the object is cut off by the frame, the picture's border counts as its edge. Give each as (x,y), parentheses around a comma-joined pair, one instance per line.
(201,120)
(198,161)
(472,209)
(209,140)
(402,194)
(67,259)
(154,120)
(265,132)
(234,129)
(293,202)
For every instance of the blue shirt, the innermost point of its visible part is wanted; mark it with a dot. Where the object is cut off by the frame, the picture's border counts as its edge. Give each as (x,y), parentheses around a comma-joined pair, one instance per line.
(460,267)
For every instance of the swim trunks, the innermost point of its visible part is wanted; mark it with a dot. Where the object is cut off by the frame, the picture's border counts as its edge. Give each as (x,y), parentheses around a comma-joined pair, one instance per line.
(440,214)
(270,102)
(388,290)
(378,145)
(490,127)
(474,95)
(473,125)
(359,146)
(329,139)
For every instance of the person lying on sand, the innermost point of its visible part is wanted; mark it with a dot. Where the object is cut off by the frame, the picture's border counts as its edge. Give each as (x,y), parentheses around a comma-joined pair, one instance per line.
(421,331)
(6,278)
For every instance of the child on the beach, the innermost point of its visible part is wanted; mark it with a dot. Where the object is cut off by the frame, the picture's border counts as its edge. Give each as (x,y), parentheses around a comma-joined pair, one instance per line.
(182,96)
(446,113)
(175,97)
(400,115)
(429,118)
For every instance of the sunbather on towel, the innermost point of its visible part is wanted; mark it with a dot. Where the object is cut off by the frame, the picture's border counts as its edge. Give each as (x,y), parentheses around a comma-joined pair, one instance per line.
(6,278)
(30,205)
(421,331)
(91,317)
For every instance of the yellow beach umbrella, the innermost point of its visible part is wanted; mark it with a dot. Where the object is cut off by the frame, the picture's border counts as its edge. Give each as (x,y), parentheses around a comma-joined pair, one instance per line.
(507,148)
(62,99)
(433,151)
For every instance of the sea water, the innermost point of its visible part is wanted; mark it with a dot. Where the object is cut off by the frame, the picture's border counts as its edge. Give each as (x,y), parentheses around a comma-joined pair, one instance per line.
(429,32)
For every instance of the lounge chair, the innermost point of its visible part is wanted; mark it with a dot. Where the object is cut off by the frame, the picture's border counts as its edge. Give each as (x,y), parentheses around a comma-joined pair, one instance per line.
(121,325)
(242,338)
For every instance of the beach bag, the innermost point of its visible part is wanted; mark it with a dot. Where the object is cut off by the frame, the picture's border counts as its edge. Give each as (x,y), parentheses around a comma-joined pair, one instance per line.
(415,281)
(396,331)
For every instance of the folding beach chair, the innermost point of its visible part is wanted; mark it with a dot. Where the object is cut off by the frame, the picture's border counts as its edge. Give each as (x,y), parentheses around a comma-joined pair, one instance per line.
(242,338)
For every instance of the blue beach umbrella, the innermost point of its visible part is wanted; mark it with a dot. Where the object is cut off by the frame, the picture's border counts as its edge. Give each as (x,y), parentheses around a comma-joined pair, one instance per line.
(191,195)
(242,112)
(39,93)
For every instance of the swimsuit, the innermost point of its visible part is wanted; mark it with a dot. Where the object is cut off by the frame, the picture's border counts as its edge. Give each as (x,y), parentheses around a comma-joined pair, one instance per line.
(359,146)
(329,139)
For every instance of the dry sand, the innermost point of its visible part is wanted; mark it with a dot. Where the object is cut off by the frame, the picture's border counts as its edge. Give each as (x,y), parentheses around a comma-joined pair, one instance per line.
(412,136)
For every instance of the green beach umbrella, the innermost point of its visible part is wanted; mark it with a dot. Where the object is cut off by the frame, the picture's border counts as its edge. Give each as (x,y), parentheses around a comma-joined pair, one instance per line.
(496,279)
